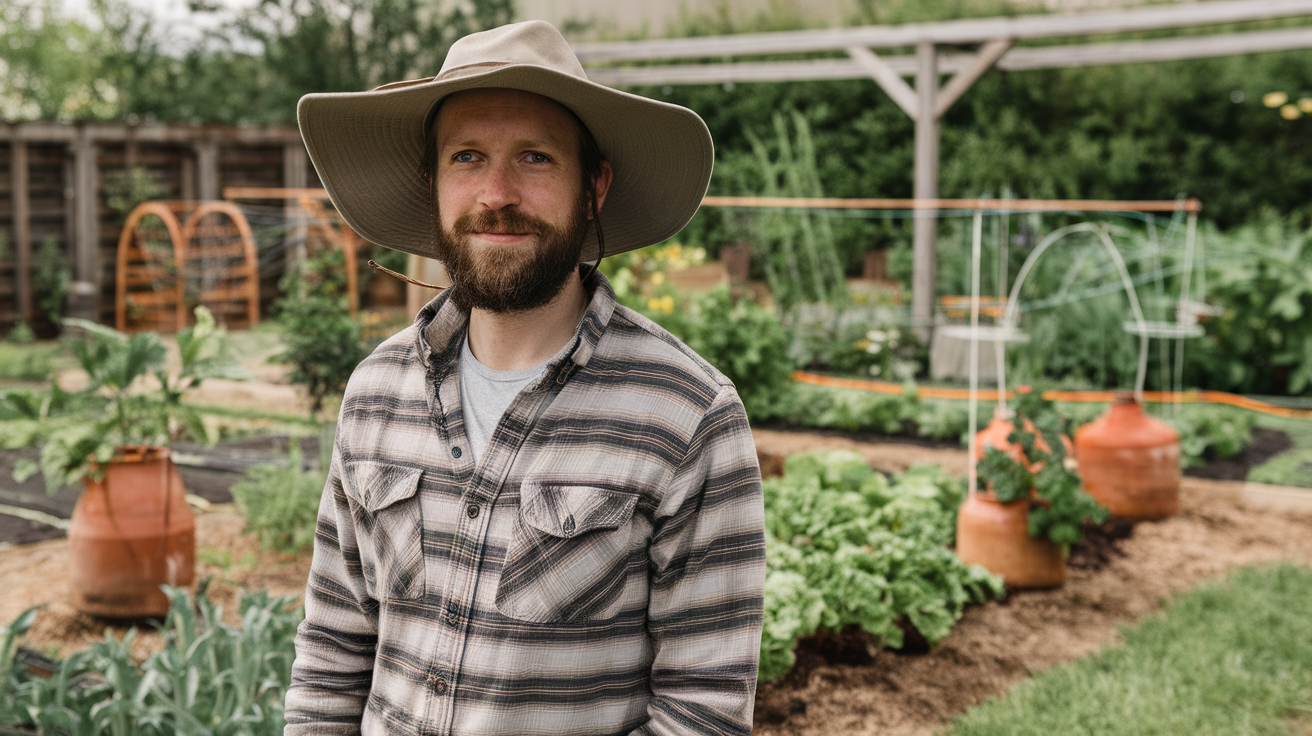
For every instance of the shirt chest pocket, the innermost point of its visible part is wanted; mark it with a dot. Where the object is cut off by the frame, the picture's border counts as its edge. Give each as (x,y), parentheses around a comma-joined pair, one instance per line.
(569,554)
(389,527)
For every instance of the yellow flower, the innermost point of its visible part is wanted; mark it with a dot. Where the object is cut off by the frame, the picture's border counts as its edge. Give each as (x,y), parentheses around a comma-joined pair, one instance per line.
(1290,112)
(667,304)
(654,304)
(1305,104)
(658,278)
(1274,99)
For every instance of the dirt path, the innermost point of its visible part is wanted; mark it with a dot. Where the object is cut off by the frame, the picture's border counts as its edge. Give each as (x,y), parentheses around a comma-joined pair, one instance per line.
(892,455)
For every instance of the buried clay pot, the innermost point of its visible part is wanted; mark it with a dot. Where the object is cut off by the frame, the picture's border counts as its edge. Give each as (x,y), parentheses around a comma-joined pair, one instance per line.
(131,532)
(996,536)
(1130,462)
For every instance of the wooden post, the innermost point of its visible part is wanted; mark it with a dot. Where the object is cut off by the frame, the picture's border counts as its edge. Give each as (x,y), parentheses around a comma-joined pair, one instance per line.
(926,187)
(207,170)
(85,288)
(187,177)
(293,177)
(22,228)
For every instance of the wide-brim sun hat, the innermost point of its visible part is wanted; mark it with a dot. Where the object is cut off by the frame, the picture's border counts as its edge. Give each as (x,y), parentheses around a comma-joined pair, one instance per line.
(368,147)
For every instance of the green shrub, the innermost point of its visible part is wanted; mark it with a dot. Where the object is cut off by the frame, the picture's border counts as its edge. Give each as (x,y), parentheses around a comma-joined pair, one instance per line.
(281,501)
(744,340)
(1211,431)
(50,279)
(322,342)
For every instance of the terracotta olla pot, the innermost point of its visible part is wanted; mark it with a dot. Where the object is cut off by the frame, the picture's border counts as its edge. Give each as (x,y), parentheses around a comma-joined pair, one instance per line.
(1130,462)
(996,535)
(131,533)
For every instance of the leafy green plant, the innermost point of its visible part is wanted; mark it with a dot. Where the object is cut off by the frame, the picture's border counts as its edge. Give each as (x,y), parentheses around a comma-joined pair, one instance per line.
(743,340)
(209,677)
(119,369)
(797,249)
(1211,431)
(280,501)
(846,546)
(322,342)
(1059,507)
(1261,275)
(50,279)
(126,189)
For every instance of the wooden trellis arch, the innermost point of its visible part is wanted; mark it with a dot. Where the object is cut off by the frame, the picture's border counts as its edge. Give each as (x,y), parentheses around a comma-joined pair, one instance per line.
(221,264)
(149,286)
(210,260)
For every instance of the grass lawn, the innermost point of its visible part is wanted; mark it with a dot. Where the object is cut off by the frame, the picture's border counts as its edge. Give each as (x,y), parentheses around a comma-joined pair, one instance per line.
(1230,658)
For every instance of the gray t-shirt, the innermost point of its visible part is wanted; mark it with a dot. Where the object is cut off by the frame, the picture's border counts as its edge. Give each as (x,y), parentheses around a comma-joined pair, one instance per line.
(485,394)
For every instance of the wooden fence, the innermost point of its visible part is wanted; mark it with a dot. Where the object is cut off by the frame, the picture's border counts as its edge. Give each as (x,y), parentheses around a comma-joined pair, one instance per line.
(52,186)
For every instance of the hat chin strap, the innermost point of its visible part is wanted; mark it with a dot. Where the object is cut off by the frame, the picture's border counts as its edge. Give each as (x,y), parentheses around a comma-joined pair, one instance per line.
(378,267)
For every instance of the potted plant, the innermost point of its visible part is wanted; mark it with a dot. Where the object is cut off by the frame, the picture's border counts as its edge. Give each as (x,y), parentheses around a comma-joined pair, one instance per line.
(1029,506)
(131,530)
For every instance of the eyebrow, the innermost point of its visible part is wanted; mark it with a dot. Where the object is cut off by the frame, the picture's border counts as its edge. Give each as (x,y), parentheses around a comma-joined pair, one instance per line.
(521,143)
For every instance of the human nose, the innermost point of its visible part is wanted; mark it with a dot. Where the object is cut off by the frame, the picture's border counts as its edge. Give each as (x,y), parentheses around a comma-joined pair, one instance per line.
(500,188)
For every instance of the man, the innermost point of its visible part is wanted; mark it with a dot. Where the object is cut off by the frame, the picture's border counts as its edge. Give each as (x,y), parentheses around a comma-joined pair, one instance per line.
(544,513)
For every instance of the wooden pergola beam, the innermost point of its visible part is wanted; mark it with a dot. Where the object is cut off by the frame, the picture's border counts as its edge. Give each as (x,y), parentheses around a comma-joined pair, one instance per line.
(965,31)
(984,60)
(887,78)
(1015,59)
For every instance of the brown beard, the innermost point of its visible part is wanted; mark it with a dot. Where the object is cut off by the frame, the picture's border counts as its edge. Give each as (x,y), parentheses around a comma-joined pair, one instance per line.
(510,278)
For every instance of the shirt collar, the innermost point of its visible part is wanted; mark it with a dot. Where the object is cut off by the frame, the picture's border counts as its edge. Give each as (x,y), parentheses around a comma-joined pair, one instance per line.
(440,329)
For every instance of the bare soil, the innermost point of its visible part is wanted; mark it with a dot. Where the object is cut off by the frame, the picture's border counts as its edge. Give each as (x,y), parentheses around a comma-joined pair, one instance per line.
(842,684)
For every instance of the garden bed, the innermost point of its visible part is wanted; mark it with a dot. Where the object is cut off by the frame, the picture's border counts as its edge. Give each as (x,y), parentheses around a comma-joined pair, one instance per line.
(1121,573)
(841,684)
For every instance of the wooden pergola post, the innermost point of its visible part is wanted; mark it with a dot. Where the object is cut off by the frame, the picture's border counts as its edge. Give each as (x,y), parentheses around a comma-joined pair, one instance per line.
(925,186)
(22,211)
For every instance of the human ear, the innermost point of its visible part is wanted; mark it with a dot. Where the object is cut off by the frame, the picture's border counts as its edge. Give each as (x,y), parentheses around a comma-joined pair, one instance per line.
(601,184)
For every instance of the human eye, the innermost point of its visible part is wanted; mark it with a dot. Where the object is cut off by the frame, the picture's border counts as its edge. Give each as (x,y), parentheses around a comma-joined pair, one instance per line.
(537,157)
(464,157)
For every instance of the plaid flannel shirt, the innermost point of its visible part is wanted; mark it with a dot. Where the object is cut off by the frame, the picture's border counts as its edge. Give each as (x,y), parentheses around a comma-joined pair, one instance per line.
(599,571)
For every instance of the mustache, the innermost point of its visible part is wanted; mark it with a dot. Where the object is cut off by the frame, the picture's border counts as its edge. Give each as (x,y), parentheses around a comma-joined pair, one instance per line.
(503,221)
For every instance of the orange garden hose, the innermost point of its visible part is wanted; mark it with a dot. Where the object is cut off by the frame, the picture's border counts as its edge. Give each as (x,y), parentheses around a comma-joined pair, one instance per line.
(935,392)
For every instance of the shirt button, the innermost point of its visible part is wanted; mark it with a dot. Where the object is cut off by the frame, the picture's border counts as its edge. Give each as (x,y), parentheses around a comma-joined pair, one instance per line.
(568,526)
(439,687)
(451,617)
(472,511)
(455,452)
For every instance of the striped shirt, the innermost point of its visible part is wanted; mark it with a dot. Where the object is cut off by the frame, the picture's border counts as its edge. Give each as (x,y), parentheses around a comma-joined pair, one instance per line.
(598,571)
